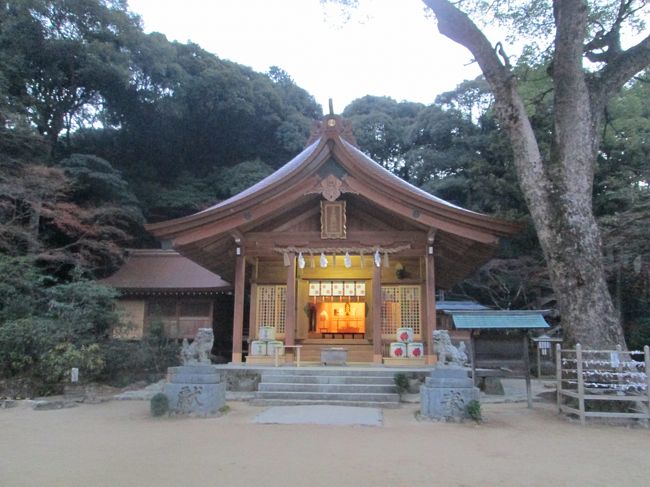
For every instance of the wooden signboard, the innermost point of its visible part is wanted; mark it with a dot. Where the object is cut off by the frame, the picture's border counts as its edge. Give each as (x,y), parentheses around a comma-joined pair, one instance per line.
(332,219)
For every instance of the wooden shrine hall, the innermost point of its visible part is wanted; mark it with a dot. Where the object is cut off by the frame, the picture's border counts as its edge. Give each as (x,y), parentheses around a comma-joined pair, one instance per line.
(334,249)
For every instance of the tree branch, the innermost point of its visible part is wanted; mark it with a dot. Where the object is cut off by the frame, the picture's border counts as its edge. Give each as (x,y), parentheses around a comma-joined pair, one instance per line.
(458,27)
(620,70)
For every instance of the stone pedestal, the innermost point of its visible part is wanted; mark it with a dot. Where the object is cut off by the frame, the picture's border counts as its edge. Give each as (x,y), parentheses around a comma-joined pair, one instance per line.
(195,389)
(446,393)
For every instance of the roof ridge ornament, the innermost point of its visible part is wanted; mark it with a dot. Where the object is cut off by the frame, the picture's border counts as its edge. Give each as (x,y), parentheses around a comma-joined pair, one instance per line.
(332,125)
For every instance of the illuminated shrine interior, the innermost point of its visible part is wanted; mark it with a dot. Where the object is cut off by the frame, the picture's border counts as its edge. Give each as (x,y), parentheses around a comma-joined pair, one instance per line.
(339,317)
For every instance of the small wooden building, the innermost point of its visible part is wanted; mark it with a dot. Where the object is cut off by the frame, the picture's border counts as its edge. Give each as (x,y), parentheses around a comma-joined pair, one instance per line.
(335,249)
(164,286)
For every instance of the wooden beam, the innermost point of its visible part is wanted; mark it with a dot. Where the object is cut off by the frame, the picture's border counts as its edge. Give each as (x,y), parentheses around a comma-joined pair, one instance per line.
(368,237)
(238,312)
(376,315)
(306,215)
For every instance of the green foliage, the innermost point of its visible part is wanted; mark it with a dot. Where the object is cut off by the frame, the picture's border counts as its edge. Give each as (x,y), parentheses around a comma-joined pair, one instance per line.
(63,56)
(95,180)
(240,177)
(473,410)
(622,172)
(21,287)
(59,360)
(401,382)
(83,308)
(23,342)
(56,326)
(130,361)
(159,405)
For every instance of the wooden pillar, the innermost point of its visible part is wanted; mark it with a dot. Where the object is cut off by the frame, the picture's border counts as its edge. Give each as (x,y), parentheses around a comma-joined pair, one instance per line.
(238,313)
(558,376)
(377,350)
(290,322)
(430,323)
(472,352)
(252,314)
(529,392)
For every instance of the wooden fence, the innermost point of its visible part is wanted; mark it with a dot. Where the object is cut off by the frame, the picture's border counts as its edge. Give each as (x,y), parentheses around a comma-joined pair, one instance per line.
(595,380)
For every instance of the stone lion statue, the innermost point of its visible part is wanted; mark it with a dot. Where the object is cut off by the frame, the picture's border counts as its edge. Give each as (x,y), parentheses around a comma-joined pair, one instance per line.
(198,352)
(447,353)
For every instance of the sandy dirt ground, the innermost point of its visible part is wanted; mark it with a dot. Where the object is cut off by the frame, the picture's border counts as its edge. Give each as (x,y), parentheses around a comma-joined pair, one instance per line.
(118,444)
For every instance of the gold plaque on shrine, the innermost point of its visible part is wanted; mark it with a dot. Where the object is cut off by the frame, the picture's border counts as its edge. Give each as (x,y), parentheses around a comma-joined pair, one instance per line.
(332,219)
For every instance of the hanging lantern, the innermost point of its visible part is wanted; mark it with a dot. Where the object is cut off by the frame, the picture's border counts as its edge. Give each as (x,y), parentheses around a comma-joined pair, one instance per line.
(323,260)
(285,258)
(386,261)
(347,261)
(377,259)
(301,261)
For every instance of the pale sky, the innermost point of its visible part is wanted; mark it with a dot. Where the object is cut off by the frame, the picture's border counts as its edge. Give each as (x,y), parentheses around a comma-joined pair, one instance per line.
(387,47)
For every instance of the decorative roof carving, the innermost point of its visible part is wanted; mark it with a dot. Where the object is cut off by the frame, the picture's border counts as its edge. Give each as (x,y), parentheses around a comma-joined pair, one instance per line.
(331,188)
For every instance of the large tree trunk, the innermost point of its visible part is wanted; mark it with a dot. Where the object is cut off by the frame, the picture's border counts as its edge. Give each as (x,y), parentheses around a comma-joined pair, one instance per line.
(558,191)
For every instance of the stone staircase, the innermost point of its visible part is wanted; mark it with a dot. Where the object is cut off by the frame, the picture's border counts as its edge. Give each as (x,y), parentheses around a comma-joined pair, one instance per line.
(363,387)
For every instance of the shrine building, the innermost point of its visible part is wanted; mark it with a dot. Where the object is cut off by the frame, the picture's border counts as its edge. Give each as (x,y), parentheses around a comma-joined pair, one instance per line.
(333,249)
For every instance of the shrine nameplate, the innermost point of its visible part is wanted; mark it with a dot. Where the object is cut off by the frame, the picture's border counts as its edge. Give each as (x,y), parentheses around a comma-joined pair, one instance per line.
(332,219)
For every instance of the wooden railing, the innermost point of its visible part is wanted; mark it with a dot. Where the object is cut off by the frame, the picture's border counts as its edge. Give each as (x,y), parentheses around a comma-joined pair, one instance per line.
(587,380)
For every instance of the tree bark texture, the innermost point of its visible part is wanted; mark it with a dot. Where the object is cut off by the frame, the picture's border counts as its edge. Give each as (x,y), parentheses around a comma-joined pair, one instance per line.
(558,191)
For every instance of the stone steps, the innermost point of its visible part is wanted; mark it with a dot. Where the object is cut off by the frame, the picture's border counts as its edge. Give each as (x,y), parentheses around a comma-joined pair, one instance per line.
(329,379)
(335,396)
(333,371)
(327,385)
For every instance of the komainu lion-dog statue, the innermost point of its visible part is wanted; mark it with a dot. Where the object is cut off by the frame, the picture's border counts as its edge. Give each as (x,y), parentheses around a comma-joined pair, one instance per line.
(198,352)
(448,354)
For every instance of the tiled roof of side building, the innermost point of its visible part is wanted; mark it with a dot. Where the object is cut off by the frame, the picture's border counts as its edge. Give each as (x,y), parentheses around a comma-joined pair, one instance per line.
(165,270)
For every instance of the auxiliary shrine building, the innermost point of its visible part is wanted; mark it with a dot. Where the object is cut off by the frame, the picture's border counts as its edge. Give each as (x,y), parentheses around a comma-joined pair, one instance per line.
(334,250)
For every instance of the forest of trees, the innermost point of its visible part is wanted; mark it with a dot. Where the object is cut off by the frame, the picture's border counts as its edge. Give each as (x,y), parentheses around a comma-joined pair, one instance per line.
(104,127)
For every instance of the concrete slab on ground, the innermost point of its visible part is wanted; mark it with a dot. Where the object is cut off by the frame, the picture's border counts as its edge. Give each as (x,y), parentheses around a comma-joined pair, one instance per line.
(327,415)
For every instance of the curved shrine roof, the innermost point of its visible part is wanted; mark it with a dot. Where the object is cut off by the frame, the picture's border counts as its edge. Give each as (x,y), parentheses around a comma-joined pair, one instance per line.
(367,175)
(331,154)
